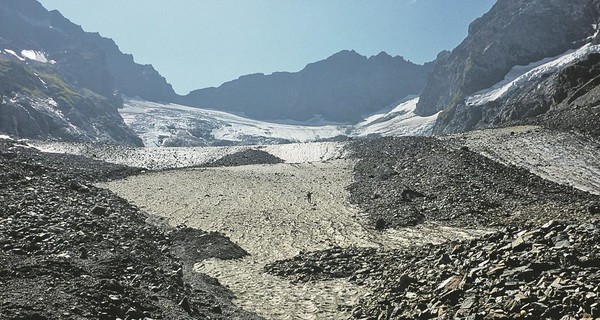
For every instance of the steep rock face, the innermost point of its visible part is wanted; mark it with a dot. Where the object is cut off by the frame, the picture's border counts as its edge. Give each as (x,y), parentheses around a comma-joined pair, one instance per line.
(575,95)
(27,25)
(513,32)
(60,82)
(36,103)
(566,100)
(341,88)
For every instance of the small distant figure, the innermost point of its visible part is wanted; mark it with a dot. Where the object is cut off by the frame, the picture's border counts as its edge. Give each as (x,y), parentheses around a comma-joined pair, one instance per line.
(309,197)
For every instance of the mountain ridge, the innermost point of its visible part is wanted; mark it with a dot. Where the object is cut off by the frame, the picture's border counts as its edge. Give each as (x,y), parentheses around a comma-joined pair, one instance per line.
(342,88)
(58,81)
(26,24)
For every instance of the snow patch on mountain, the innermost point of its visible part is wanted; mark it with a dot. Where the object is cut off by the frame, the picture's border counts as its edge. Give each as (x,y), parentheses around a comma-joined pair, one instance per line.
(25,55)
(38,56)
(400,121)
(177,125)
(518,76)
(14,54)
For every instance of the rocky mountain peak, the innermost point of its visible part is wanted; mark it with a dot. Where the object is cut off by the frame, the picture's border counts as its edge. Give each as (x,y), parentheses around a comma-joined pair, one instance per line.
(343,88)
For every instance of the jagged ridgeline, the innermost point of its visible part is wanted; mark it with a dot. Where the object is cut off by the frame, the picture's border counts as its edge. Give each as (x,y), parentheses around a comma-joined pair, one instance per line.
(345,87)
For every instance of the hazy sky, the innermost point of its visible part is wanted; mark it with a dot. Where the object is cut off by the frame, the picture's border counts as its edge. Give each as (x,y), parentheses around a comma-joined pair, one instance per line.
(202,43)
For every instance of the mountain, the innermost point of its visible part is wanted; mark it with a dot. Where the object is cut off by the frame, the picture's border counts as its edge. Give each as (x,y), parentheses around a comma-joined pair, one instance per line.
(36,103)
(522,46)
(27,25)
(344,88)
(58,81)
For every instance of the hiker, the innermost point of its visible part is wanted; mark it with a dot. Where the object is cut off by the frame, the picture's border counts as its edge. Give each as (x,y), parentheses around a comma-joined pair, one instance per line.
(309,197)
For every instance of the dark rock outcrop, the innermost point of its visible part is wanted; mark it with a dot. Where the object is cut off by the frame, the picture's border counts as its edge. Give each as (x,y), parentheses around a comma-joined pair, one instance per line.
(564,100)
(341,88)
(246,157)
(72,89)
(36,103)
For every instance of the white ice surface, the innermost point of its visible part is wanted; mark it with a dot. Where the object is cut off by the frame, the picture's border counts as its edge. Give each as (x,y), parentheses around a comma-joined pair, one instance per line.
(518,76)
(154,122)
(159,119)
(400,121)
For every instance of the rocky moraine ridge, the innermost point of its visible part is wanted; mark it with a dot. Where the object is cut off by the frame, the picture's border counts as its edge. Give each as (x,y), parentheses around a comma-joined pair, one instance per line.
(69,250)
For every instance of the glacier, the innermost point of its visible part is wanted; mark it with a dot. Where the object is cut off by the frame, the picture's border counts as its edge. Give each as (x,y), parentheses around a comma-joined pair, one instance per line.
(168,124)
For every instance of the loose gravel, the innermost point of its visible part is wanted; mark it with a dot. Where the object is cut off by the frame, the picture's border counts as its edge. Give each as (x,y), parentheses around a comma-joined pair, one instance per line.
(69,250)
(408,180)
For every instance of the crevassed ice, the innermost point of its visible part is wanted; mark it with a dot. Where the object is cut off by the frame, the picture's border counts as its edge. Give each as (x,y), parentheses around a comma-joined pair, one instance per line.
(151,120)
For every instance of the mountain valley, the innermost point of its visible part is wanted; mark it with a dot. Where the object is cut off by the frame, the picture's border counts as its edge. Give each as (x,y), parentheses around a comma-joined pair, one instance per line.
(357,188)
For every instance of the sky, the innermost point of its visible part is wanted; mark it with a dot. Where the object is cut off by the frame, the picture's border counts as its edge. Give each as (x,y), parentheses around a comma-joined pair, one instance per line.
(204,43)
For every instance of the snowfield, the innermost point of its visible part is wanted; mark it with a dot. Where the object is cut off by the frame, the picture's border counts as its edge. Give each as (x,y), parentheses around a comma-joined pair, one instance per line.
(400,121)
(38,56)
(177,125)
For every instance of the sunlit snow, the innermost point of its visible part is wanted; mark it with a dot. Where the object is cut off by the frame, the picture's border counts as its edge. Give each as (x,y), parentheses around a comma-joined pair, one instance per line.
(400,121)
(156,123)
(14,54)
(36,56)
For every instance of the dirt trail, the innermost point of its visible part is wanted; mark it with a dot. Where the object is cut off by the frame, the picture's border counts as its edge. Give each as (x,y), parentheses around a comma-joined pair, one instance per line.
(562,157)
(264,209)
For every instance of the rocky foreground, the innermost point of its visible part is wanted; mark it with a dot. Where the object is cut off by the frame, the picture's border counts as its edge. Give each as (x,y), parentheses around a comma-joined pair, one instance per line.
(69,250)
(532,268)
(550,272)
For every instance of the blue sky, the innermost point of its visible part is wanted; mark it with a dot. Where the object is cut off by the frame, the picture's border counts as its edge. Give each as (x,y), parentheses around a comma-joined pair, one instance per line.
(202,43)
